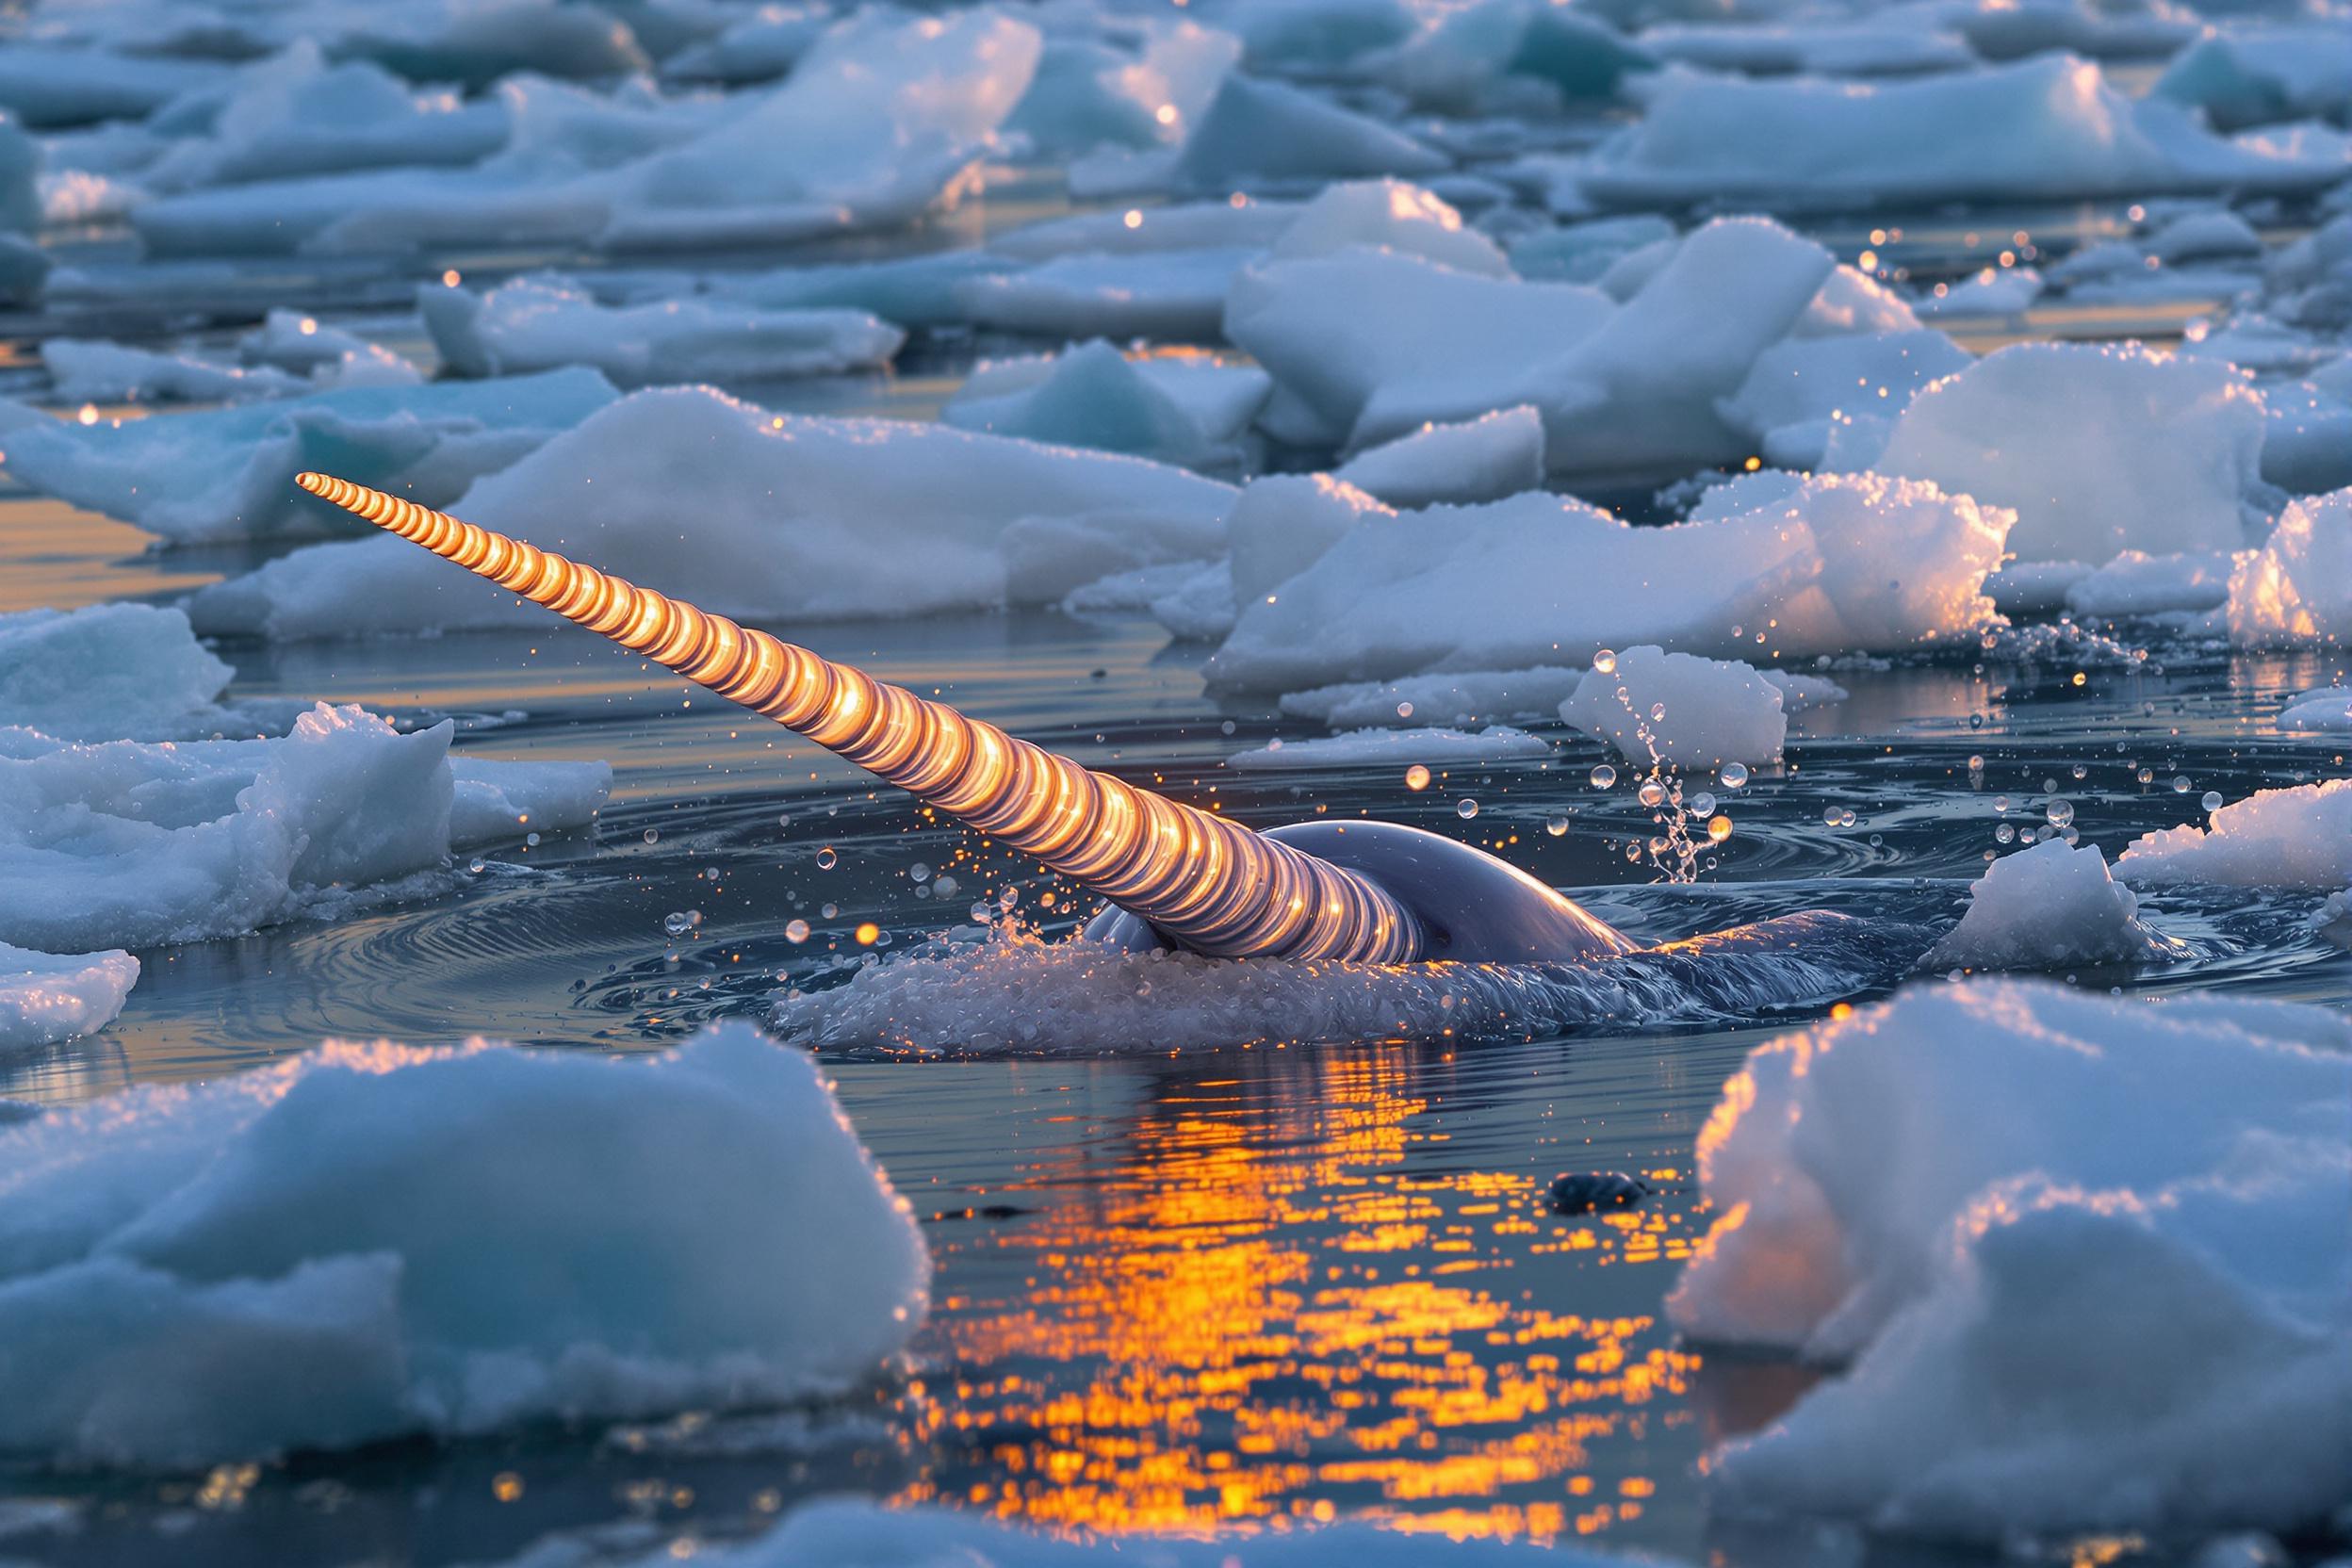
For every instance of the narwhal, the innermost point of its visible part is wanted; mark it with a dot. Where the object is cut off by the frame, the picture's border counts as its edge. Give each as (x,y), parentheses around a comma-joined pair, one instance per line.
(1173,876)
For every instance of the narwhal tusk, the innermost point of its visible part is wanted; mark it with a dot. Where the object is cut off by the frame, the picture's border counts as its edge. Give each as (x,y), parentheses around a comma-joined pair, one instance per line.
(1207,884)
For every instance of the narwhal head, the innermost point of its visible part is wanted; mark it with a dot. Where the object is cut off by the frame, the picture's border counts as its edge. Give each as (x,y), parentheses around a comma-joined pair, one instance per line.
(1187,875)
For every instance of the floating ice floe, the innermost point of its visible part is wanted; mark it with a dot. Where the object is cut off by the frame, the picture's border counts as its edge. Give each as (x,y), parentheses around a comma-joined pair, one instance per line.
(49,997)
(1797,390)
(2050,907)
(109,672)
(1388,215)
(1586,252)
(760,517)
(2080,1252)
(52,89)
(1139,92)
(229,474)
(1826,564)
(1679,709)
(539,323)
(2291,837)
(913,291)
(130,844)
(833,1532)
(82,371)
(1260,135)
(298,342)
(1993,291)
(1174,294)
(2137,584)
(2050,127)
(2296,590)
(2263,74)
(370,1242)
(2327,710)
(1399,747)
(1897,45)
(19,190)
(2099,449)
(1507,58)
(1172,408)
(1470,697)
(1484,459)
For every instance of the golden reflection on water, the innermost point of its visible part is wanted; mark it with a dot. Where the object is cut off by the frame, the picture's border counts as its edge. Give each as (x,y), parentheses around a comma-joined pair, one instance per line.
(1270,1298)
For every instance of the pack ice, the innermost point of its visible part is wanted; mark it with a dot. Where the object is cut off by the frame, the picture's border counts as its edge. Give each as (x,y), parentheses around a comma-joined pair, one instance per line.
(788,517)
(372,1241)
(2079,1256)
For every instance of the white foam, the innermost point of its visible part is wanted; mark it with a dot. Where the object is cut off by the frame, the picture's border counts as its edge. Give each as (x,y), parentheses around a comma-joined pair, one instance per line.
(229,473)
(134,844)
(2050,907)
(2290,837)
(2081,1248)
(367,1242)
(49,997)
(1827,564)
(2098,448)
(543,322)
(795,518)
(1680,709)
(1402,748)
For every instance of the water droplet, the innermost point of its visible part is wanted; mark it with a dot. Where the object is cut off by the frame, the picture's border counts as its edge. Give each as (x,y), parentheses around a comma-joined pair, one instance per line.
(1605,662)
(783,819)
(1976,721)
(1976,762)
(826,859)
(2145,776)
(1556,826)
(1604,776)
(1831,814)
(1404,709)
(2060,812)
(1658,711)
(1227,726)
(476,865)
(653,835)
(1719,827)
(2004,834)
(2181,784)
(1701,805)
(2078,771)
(1416,778)
(2001,803)
(2211,801)
(1652,792)
(797,931)
(983,913)
(1733,775)
(676,922)
(1465,807)
(919,872)
(945,886)
(1007,899)
(532,839)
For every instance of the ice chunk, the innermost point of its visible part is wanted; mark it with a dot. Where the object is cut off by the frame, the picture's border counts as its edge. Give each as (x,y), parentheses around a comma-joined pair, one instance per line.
(1390,215)
(2098,448)
(82,371)
(19,190)
(1256,133)
(1831,566)
(372,1241)
(49,997)
(1812,379)
(475,44)
(1507,57)
(1993,291)
(297,341)
(1495,455)
(2263,74)
(1680,709)
(2081,1245)
(915,291)
(2050,907)
(1237,223)
(2214,233)
(759,46)
(1283,524)
(49,89)
(1470,697)
(1894,46)
(1586,252)
(111,672)
(229,474)
(1198,607)
(2137,584)
(1799,691)
(1183,409)
(2307,444)
(1174,295)
(2297,588)
(539,323)
(1383,747)
(1088,93)
(1450,345)
(2050,127)
(2035,587)
(793,518)
(136,845)
(24,266)
(2328,708)
(2292,837)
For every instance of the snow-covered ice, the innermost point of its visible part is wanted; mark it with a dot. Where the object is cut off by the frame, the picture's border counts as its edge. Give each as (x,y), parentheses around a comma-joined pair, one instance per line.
(1471,696)
(49,997)
(2080,1252)
(1679,709)
(2097,447)
(1401,749)
(372,1241)
(2296,590)
(543,322)
(2263,74)
(229,473)
(2048,907)
(2137,584)
(761,516)
(125,844)
(110,672)
(2289,838)
(1484,459)
(2324,710)
(82,371)
(1821,565)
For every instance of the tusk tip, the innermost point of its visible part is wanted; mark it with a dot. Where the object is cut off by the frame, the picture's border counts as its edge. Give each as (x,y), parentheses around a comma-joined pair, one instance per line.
(315,483)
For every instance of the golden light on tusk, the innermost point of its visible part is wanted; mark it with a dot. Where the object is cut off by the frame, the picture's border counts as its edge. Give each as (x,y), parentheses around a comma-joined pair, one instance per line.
(1210,884)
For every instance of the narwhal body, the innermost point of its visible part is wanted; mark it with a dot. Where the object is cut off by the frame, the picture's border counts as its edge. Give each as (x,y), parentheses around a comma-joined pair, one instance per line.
(1174,875)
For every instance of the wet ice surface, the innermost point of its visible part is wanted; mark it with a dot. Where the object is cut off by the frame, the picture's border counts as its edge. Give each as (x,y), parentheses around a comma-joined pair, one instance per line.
(1244,1278)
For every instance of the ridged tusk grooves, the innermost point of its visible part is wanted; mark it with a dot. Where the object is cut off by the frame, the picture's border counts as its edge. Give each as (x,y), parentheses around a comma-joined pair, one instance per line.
(1211,885)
